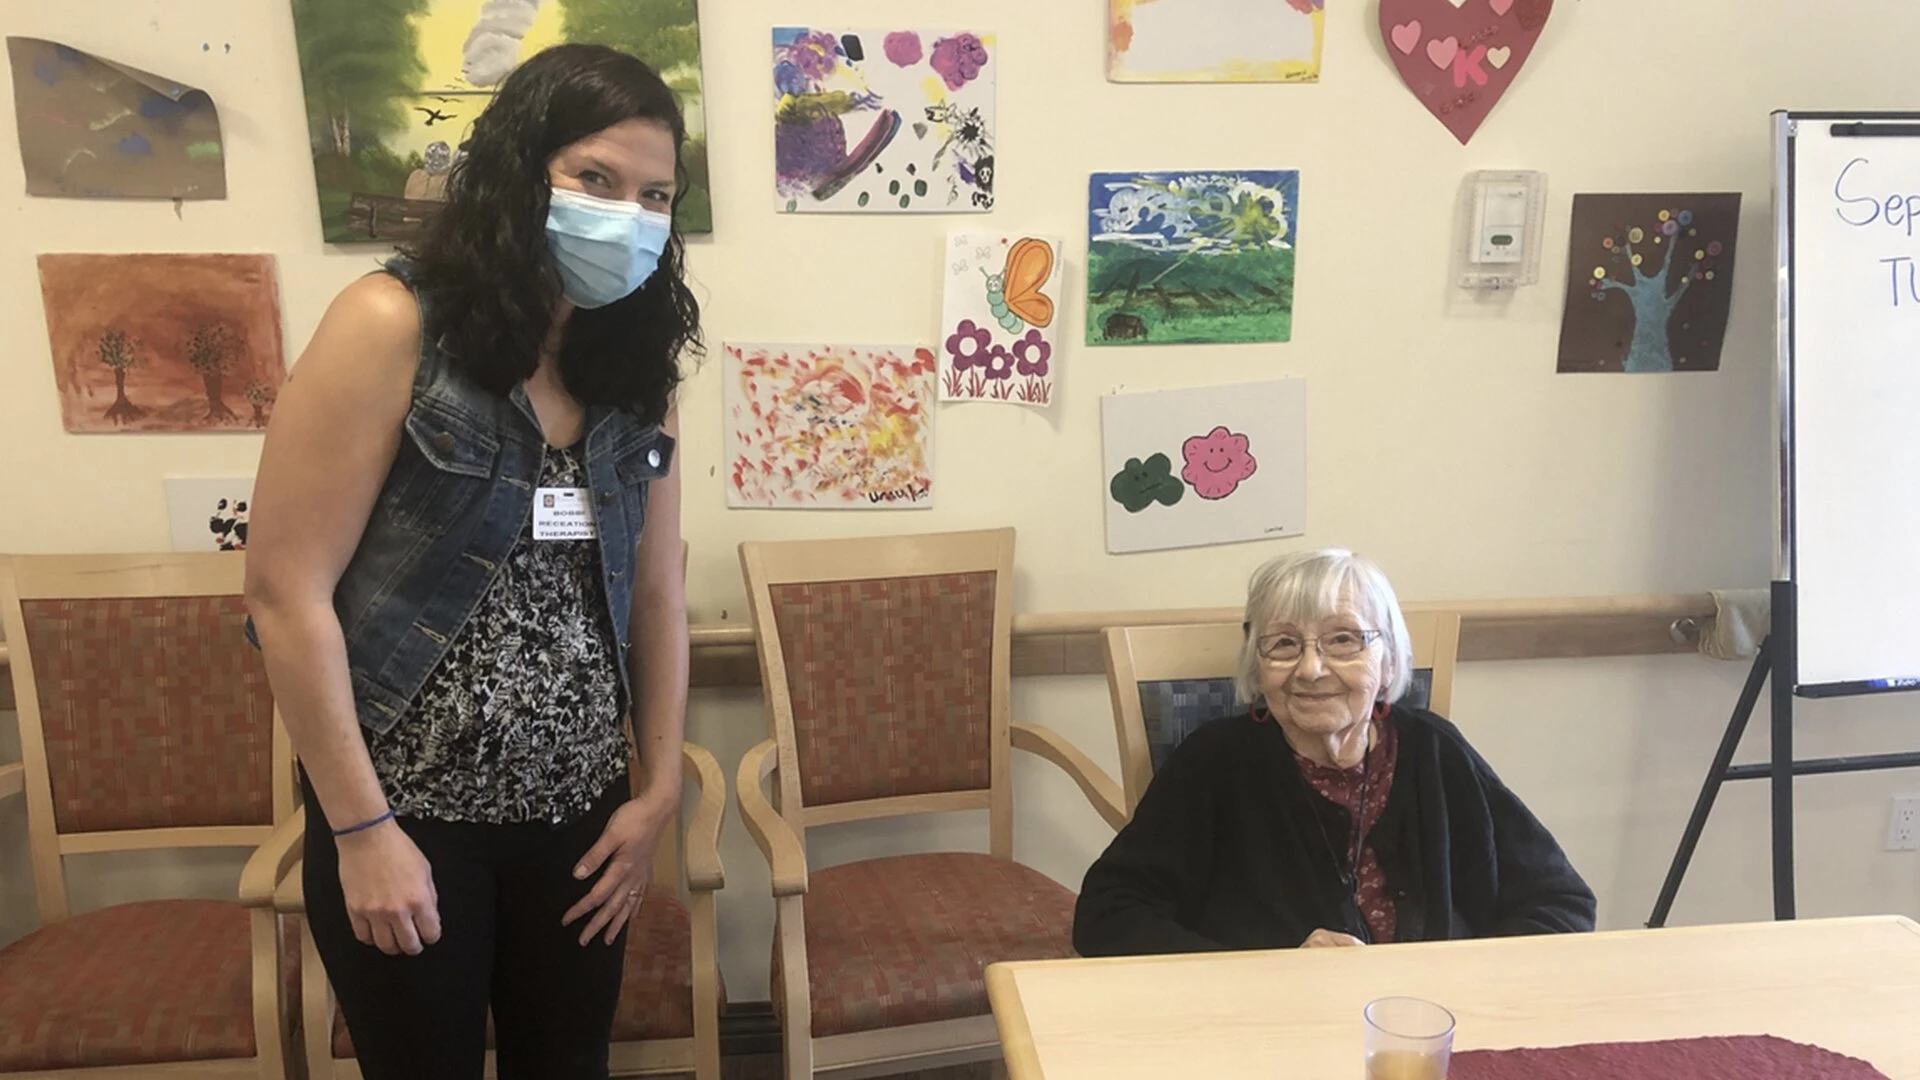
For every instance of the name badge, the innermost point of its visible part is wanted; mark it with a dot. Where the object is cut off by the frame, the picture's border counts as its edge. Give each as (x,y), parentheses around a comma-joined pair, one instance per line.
(563,513)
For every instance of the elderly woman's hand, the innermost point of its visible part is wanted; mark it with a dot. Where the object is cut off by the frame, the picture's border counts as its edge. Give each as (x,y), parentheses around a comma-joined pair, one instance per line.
(1331,939)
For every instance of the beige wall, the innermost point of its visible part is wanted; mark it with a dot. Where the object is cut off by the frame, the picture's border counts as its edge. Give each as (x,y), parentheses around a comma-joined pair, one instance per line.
(1441,441)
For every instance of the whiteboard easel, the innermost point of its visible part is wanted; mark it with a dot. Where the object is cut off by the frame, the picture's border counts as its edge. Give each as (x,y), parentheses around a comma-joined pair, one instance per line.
(1846,204)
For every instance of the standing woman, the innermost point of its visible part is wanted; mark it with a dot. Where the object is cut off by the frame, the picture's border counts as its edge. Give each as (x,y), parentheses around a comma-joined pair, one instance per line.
(465,574)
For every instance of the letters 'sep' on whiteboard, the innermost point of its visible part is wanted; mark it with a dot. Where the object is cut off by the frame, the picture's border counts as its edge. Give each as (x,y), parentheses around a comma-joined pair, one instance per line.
(1849,252)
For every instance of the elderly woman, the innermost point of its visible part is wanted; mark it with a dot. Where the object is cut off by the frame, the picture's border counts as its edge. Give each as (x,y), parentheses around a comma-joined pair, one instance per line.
(1325,814)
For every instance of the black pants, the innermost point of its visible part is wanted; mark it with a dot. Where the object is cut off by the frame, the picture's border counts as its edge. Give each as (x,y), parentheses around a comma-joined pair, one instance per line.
(503,890)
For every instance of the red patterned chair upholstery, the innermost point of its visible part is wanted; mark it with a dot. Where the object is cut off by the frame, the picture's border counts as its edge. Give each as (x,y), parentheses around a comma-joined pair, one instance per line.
(145,723)
(671,996)
(885,663)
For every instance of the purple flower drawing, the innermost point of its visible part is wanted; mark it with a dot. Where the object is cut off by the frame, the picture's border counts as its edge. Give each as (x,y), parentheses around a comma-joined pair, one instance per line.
(968,346)
(1031,353)
(999,363)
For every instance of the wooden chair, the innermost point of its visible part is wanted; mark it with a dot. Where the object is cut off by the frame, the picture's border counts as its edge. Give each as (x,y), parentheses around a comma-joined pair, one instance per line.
(670,996)
(13,779)
(1168,680)
(145,723)
(885,663)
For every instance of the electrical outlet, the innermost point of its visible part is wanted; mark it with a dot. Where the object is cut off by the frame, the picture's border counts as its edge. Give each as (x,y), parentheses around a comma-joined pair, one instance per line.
(1903,832)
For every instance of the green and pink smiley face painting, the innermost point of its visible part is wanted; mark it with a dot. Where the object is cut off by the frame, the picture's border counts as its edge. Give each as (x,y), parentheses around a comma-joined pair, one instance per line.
(1215,464)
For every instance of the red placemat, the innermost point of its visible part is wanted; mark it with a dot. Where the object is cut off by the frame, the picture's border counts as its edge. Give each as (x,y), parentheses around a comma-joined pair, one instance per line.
(1743,1057)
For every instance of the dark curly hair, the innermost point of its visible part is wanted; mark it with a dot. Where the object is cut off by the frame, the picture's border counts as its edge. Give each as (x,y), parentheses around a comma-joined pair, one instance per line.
(484,256)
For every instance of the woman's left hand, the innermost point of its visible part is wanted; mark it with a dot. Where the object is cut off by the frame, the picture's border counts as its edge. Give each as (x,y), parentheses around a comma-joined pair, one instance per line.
(625,850)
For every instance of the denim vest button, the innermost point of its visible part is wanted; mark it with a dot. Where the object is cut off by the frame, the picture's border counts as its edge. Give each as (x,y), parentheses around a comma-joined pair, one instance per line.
(606,498)
(653,458)
(443,442)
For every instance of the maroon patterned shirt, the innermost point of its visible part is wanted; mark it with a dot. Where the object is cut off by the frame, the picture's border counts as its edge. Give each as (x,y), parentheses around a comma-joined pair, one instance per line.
(1342,786)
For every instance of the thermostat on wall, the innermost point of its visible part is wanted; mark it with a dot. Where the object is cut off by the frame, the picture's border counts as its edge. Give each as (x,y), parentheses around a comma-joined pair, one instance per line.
(1501,217)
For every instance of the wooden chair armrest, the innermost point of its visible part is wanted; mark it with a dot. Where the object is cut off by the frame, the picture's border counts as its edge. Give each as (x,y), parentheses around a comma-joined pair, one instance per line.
(1101,790)
(269,863)
(291,897)
(786,855)
(13,779)
(704,872)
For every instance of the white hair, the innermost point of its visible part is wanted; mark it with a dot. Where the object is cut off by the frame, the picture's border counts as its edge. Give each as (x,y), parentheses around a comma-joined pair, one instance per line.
(1309,585)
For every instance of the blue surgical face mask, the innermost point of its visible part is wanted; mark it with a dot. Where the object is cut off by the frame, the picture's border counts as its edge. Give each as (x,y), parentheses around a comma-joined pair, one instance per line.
(605,248)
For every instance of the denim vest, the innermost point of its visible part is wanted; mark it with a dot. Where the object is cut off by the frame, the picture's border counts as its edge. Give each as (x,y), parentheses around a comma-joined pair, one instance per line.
(457,498)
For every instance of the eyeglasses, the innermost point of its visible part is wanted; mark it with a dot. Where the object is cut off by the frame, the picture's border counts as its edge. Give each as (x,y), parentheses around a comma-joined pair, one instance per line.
(1288,648)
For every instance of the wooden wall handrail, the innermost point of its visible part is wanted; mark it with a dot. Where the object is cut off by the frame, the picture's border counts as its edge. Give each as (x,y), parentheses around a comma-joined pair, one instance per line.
(1033,624)
(1067,642)
(1666,606)
(722,635)
(1697,605)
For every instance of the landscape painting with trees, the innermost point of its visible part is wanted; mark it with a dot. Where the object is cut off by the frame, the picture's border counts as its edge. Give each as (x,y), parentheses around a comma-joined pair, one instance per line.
(393,88)
(164,342)
(1191,257)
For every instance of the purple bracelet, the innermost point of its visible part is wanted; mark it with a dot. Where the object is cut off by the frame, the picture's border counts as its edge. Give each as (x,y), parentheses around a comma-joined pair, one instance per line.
(363,826)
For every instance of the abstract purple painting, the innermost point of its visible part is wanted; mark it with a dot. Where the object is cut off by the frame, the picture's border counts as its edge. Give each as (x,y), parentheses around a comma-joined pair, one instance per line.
(876,121)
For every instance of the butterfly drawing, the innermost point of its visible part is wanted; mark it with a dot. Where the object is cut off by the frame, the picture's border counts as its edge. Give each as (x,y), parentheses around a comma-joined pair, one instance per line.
(1014,294)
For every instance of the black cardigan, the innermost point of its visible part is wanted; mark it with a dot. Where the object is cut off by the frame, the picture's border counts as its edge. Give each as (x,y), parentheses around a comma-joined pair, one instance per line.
(1222,852)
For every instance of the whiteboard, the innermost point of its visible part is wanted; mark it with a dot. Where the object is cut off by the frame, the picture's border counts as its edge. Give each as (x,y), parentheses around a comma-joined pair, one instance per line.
(1850,396)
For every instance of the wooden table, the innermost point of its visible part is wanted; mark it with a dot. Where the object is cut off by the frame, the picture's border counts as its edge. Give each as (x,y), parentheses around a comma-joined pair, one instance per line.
(1850,985)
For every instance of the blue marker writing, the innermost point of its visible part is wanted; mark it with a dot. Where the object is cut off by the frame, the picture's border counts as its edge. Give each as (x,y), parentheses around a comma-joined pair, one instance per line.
(1896,210)
(1911,287)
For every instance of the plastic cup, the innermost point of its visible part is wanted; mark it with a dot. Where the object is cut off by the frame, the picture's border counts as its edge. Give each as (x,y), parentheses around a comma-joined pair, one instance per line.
(1408,1039)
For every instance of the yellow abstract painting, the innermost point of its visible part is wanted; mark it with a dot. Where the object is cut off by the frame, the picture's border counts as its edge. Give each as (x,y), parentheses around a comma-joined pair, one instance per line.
(1215,40)
(829,427)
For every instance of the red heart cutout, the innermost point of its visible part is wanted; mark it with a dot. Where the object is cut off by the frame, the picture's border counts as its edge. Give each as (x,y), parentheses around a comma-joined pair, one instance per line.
(1452,74)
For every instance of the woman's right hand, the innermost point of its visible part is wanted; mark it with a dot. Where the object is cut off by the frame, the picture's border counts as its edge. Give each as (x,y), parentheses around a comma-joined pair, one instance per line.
(389,890)
(1331,939)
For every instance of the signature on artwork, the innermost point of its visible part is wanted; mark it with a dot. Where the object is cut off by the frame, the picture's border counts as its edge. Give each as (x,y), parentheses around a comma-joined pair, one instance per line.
(905,494)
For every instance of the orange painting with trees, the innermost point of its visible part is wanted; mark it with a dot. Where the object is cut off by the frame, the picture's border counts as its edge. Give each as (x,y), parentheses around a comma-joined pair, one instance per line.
(184,343)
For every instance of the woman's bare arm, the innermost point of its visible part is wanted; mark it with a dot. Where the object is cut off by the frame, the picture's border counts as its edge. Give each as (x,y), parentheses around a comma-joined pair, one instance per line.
(658,630)
(335,430)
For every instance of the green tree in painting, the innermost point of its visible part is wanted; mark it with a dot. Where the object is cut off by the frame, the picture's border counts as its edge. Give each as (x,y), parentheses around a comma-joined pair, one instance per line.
(665,34)
(211,351)
(360,62)
(119,351)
